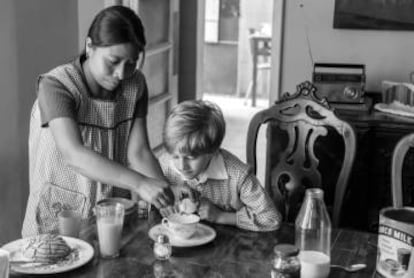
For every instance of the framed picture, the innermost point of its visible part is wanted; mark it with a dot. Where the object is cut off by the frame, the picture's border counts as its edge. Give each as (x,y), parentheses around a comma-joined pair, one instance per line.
(374,14)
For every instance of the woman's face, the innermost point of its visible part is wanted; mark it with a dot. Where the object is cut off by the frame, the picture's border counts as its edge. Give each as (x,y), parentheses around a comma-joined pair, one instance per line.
(109,65)
(190,166)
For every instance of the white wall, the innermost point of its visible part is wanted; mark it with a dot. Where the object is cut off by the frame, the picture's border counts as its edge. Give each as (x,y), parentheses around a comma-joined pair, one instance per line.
(87,11)
(34,37)
(10,181)
(386,54)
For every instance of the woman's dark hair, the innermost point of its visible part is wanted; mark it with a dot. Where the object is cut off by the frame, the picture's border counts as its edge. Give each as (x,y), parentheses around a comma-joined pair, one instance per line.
(116,25)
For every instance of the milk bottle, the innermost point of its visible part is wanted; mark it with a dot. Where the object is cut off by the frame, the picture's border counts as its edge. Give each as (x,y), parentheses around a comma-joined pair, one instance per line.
(313,235)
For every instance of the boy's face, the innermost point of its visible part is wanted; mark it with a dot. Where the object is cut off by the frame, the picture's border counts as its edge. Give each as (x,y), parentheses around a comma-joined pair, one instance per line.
(190,166)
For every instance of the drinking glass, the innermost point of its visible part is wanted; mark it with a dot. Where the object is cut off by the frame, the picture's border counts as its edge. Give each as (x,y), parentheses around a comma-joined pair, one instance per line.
(4,263)
(69,223)
(144,208)
(109,219)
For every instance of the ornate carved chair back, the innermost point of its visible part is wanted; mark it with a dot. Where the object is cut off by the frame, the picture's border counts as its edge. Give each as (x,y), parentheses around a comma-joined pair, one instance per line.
(401,149)
(296,125)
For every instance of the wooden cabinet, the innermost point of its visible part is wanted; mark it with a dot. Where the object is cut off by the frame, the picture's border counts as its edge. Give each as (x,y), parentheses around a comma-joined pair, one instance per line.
(369,185)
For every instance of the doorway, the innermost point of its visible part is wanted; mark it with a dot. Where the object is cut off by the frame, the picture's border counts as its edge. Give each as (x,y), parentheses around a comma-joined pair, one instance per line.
(227,67)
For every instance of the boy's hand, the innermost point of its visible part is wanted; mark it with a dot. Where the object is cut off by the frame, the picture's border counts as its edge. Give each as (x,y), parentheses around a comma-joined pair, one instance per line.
(208,211)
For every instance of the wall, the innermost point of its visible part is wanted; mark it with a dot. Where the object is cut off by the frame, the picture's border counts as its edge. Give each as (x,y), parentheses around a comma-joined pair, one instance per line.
(10,154)
(387,54)
(32,40)
(188,44)
(86,12)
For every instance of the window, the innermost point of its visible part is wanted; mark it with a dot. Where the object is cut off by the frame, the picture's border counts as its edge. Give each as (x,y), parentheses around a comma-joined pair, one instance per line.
(222,20)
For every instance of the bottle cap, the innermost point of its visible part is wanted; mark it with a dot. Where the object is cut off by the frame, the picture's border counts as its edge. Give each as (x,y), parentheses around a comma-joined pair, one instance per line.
(286,250)
(163,239)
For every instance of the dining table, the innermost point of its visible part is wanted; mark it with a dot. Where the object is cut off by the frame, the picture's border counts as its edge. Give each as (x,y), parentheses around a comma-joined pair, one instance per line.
(233,252)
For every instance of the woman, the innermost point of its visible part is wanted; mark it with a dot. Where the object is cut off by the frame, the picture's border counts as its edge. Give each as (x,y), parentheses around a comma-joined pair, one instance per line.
(88,127)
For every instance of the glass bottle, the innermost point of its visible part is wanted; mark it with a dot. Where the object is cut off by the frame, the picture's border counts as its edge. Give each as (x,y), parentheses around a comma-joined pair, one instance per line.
(286,263)
(143,207)
(313,235)
(162,248)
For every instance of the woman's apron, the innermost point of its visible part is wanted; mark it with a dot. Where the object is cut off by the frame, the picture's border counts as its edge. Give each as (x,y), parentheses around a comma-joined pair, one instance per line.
(104,126)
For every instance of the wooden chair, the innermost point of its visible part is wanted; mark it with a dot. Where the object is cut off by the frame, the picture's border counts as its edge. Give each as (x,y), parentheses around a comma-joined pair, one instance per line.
(261,50)
(401,149)
(296,125)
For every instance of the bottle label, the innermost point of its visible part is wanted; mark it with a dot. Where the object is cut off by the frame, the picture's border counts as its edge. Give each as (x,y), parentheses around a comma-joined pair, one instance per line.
(395,257)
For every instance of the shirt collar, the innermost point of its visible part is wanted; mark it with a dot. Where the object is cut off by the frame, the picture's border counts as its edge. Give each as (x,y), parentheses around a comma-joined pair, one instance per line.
(216,169)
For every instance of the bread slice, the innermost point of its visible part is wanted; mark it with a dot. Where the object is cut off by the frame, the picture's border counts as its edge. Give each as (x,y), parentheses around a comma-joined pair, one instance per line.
(47,248)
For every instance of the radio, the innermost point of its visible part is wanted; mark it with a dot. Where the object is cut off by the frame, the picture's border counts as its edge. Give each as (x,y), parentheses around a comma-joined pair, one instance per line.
(339,83)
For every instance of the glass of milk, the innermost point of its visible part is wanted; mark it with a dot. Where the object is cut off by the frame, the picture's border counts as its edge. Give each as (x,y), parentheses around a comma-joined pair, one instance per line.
(109,220)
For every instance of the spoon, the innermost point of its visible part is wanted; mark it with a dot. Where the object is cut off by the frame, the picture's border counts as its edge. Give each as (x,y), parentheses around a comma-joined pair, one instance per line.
(350,268)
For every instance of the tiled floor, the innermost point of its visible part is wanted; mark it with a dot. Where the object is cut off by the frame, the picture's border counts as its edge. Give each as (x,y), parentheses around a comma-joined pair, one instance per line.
(237,115)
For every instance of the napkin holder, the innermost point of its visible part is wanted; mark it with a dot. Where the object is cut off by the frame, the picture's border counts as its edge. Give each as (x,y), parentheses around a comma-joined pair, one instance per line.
(398,91)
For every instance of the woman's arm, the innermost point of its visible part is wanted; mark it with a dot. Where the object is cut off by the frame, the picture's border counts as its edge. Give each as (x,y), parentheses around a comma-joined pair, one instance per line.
(140,156)
(94,166)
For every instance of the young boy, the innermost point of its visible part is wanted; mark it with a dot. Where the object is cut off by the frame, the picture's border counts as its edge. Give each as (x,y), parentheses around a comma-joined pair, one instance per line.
(229,192)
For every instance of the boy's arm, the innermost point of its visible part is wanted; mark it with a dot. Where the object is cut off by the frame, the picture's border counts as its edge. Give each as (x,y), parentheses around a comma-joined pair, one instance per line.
(258,213)
(212,213)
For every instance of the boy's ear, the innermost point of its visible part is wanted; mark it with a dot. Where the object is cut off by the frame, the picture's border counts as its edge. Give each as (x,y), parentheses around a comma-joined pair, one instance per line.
(88,46)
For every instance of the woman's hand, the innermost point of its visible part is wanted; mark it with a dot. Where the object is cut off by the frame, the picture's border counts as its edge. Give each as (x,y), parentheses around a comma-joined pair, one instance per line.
(156,192)
(208,211)
(167,211)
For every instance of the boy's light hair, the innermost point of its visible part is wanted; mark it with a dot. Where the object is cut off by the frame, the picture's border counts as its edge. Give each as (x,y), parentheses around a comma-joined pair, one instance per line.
(194,127)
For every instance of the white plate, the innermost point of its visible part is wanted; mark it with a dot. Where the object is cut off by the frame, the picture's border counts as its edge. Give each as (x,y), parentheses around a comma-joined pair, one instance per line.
(83,253)
(396,108)
(203,235)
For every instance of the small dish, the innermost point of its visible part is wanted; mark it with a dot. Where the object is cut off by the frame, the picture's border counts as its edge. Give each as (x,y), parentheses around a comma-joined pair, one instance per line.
(204,234)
